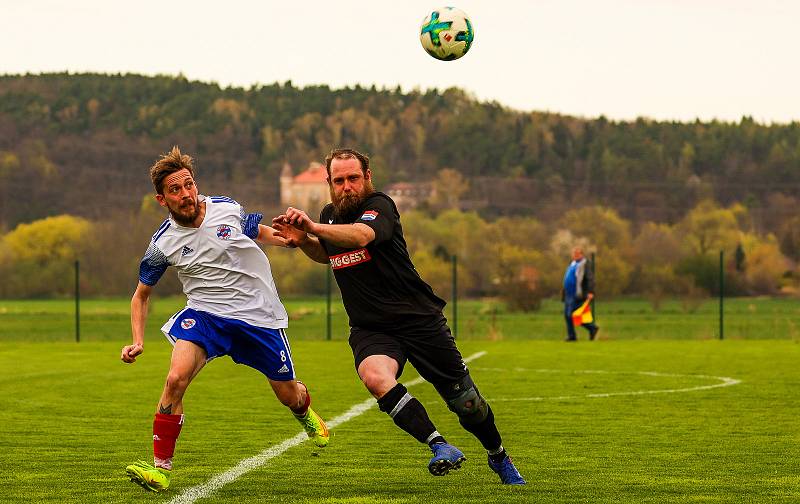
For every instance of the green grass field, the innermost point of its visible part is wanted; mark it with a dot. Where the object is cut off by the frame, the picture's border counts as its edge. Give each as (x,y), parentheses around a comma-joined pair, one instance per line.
(745,318)
(629,418)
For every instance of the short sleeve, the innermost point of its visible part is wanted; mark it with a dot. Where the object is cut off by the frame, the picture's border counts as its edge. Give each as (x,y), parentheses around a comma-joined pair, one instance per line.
(326,214)
(379,214)
(250,223)
(153,265)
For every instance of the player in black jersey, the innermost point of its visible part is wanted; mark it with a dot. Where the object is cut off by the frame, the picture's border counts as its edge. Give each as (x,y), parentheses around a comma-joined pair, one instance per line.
(394,315)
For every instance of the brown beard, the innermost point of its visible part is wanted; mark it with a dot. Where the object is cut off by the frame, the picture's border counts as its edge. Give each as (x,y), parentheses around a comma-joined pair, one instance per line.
(345,205)
(183,219)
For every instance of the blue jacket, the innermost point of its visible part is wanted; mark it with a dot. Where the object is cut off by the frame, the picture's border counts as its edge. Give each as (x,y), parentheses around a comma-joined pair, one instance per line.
(578,280)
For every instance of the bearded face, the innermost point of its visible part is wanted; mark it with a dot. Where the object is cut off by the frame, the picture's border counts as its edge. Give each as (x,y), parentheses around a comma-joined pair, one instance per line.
(180,198)
(185,212)
(349,184)
(346,203)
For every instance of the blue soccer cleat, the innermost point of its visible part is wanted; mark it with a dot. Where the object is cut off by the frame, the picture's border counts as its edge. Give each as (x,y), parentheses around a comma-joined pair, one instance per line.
(446,458)
(507,472)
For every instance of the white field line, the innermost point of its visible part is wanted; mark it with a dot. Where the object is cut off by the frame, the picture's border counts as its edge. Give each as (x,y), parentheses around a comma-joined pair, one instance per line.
(724,381)
(206,489)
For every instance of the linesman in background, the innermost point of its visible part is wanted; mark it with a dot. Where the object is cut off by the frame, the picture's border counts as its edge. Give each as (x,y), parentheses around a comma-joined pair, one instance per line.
(394,315)
(578,288)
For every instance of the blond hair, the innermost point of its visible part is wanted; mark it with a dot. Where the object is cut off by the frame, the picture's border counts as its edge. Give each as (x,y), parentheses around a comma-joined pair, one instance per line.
(168,164)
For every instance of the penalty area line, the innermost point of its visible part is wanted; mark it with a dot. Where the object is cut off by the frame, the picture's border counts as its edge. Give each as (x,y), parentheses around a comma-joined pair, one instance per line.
(204,490)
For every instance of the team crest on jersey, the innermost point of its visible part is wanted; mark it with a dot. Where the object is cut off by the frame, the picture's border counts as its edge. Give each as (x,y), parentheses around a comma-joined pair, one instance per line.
(223,231)
(369,215)
(188,323)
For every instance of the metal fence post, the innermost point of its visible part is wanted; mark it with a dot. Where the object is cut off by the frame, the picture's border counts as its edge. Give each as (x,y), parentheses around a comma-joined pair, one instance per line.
(455,296)
(328,302)
(721,293)
(77,302)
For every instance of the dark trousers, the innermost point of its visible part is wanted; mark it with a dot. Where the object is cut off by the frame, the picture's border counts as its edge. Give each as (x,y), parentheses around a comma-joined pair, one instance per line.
(570,305)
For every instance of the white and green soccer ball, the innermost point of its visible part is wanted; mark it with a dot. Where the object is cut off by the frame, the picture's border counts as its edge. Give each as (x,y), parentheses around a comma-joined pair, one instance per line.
(446,33)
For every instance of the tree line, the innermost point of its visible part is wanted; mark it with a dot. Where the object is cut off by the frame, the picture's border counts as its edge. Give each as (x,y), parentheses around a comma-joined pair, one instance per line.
(81,144)
(75,149)
(519,259)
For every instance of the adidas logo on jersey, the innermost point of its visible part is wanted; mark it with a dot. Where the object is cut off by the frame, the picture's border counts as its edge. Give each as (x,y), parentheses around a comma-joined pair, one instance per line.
(284,369)
(186,251)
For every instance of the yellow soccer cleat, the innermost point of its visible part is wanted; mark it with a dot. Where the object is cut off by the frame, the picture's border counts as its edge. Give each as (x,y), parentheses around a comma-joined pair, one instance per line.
(315,427)
(155,479)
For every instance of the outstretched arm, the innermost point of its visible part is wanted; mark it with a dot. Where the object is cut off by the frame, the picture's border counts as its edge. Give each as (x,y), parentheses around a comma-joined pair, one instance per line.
(341,235)
(296,237)
(138,318)
(269,236)
(314,249)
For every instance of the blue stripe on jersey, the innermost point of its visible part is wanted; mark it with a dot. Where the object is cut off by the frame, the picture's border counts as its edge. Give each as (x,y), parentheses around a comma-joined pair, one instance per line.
(223,199)
(153,265)
(161,230)
(250,224)
(160,227)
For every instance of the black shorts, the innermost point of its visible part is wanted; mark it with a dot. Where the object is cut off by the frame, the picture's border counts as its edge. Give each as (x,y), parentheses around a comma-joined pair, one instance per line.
(431,350)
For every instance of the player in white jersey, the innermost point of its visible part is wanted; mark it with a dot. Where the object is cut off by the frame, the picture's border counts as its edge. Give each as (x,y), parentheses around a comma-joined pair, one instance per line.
(232,306)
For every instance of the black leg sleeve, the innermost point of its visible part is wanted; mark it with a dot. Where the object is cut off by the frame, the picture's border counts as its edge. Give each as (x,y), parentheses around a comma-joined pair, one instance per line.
(486,431)
(408,413)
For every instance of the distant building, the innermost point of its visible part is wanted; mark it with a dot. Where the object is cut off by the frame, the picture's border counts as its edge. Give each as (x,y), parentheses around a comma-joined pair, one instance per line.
(307,190)
(409,195)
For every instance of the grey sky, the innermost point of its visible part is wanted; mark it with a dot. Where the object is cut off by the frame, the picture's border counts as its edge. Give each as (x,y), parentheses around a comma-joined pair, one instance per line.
(665,59)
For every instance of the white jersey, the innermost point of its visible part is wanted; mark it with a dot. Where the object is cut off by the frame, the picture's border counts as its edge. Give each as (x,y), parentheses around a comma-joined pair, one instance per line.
(223,270)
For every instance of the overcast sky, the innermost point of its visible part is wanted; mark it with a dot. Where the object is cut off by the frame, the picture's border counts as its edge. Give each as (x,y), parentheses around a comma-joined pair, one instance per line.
(664,59)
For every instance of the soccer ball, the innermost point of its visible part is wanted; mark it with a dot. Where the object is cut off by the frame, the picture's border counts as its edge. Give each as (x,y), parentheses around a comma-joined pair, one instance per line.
(446,33)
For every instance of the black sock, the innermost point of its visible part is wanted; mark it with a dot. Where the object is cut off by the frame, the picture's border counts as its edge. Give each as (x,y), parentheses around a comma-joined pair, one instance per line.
(498,457)
(409,414)
(486,431)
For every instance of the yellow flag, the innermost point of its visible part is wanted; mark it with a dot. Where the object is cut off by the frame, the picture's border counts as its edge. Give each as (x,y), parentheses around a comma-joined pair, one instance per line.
(583,315)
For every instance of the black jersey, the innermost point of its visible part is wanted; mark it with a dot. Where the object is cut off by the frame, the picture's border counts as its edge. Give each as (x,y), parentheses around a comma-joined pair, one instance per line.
(380,287)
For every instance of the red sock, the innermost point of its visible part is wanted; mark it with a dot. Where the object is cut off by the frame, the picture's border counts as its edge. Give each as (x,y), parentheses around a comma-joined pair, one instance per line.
(301,411)
(166,429)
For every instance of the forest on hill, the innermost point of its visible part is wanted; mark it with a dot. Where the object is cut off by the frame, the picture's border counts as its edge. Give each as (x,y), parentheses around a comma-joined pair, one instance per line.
(82,143)
(656,201)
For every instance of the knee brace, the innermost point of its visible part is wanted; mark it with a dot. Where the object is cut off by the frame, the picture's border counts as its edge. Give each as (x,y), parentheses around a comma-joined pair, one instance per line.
(466,402)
